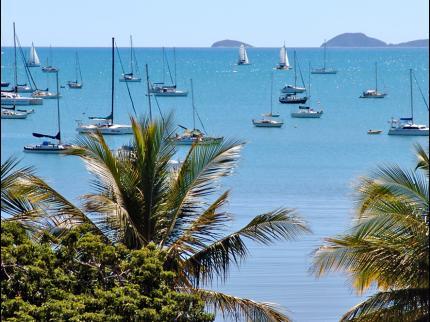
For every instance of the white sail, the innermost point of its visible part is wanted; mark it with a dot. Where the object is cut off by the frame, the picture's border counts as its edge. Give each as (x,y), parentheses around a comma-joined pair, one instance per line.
(243,57)
(34,58)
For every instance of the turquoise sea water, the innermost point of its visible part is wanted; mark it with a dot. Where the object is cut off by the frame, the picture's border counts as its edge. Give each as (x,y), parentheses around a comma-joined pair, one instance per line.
(309,164)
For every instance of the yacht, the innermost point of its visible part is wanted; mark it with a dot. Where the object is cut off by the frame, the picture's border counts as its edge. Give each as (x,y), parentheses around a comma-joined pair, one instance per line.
(12,114)
(406,125)
(78,83)
(292,99)
(289,91)
(49,68)
(49,146)
(243,56)
(33,60)
(284,63)
(306,112)
(131,76)
(324,69)
(105,125)
(45,94)
(15,99)
(373,93)
(191,136)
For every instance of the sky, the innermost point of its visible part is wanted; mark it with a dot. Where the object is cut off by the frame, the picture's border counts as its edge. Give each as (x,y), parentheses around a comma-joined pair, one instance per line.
(199,23)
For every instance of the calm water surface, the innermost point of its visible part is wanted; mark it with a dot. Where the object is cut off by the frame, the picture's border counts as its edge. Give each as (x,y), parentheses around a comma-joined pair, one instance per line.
(309,164)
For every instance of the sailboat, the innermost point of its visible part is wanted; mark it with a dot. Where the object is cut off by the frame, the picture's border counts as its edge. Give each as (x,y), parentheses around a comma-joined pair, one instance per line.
(267,120)
(48,146)
(284,64)
(307,111)
(45,93)
(373,93)
(33,60)
(11,113)
(130,77)
(160,88)
(106,125)
(49,68)
(12,97)
(78,83)
(324,69)
(191,136)
(291,91)
(243,56)
(406,125)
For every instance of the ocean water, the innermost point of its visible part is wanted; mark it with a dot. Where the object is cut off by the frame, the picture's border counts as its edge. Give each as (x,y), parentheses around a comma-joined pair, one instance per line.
(308,164)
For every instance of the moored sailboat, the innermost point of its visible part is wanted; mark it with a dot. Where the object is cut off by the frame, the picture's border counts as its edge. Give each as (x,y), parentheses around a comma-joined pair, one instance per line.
(324,69)
(49,68)
(290,91)
(78,83)
(194,135)
(373,93)
(106,125)
(49,146)
(131,76)
(405,125)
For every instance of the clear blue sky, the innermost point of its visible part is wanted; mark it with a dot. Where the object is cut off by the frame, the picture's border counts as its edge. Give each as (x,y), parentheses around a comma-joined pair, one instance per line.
(199,23)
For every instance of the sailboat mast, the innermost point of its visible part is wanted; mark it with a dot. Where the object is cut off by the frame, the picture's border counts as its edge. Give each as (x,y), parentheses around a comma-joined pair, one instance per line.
(148,92)
(309,79)
(14,63)
(271,93)
(295,69)
(113,76)
(58,107)
(174,60)
(131,54)
(164,70)
(412,102)
(376,77)
(192,103)
(325,49)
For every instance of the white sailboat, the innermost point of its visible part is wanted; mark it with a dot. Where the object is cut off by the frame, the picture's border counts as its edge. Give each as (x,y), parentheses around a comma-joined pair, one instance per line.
(405,125)
(131,77)
(12,114)
(243,56)
(267,120)
(284,63)
(160,88)
(78,83)
(105,125)
(373,93)
(307,111)
(49,68)
(324,69)
(194,135)
(33,60)
(48,146)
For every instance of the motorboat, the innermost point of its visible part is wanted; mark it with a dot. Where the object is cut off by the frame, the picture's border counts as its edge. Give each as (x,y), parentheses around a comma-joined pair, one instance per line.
(374,132)
(292,99)
(15,99)
(267,123)
(306,112)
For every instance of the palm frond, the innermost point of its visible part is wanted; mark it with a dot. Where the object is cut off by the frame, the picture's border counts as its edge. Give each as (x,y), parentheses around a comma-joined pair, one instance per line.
(395,305)
(202,168)
(216,258)
(236,308)
(422,159)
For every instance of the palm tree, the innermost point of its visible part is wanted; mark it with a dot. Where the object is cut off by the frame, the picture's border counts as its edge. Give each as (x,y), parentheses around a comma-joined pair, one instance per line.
(388,246)
(139,199)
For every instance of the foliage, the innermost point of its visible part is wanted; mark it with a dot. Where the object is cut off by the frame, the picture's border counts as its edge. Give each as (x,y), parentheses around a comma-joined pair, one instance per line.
(388,246)
(138,200)
(78,277)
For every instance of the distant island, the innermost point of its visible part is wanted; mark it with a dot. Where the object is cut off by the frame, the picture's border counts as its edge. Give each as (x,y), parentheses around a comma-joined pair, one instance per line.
(229,43)
(359,39)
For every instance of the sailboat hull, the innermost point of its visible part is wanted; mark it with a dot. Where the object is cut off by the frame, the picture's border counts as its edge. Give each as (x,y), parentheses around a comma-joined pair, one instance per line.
(130,80)
(114,129)
(408,132)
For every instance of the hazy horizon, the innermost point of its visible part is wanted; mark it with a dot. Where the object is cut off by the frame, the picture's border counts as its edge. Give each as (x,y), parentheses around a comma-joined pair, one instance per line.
(199,24)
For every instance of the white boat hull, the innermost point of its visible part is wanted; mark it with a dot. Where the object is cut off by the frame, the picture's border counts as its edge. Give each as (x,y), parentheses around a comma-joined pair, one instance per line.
(170,94)
(267,123)
(292,90)
(114,129)
(130,80)
(13,115)
(409,132)
(21,101)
